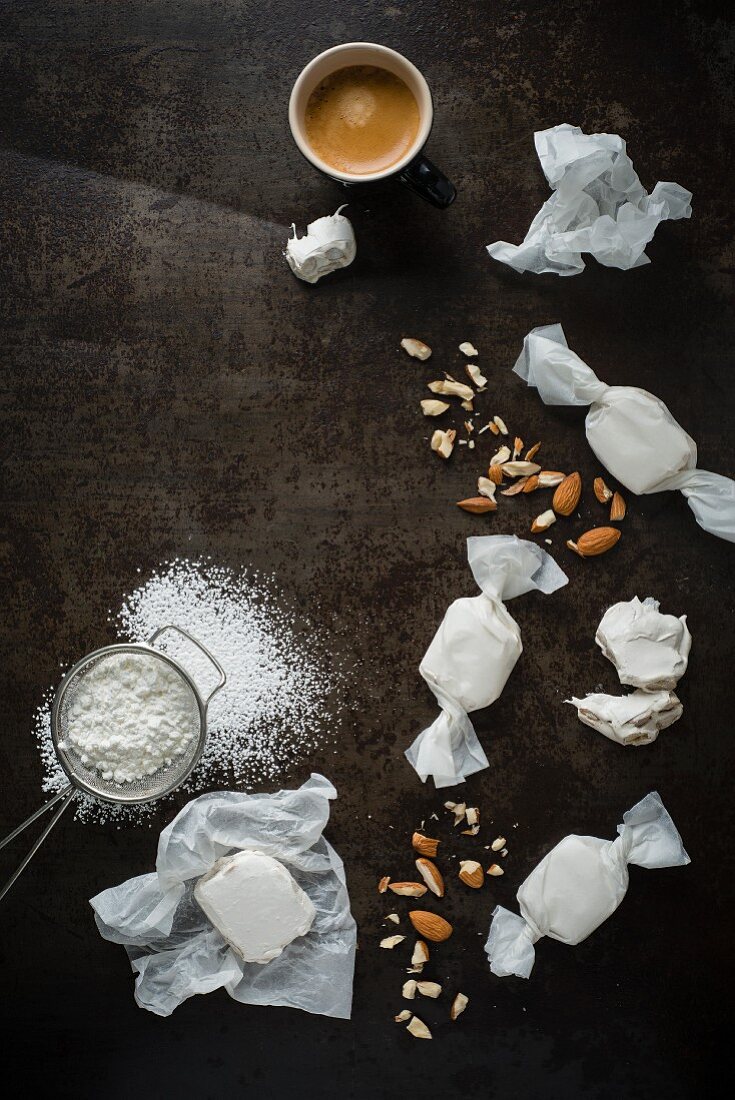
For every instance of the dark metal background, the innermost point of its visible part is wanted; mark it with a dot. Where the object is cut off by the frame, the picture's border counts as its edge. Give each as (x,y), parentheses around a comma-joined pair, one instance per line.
(168,388)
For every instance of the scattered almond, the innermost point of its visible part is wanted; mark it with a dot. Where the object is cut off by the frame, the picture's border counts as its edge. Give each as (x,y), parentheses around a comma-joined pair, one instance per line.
(495,473)
(517,487)
(472,814)
(424,845)
(470,872)
(443,442)
(517,447)
(617,508)
(459,1004)
(408,889)
(500,425)
(495,870)
(597,541)
(383,884)
(547,479)
(430,926)
(602,492)
(532,452)
(468,349)
(418,1028)
(486,488)
(420,954)
(567,494)
(531,483)
(477,505)
(429,989)
(403,1016)
(459,809)
(543,522)
(409,989)
(500,456)
(498,843)
(472,831)
(431,875)
(494,428)
(449,388)
(520,469)
(475,375)
(468,406)
(391,941)
(393,918)
(417,349)
(429,407)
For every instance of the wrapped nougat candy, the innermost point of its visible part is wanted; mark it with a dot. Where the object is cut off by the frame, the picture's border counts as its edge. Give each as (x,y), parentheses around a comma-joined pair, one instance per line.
(474,652)
(634,719)
(579,884)
(632,432)
(649,650)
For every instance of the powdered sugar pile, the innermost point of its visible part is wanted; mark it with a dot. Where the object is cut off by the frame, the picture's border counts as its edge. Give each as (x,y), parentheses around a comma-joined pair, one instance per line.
(280,677)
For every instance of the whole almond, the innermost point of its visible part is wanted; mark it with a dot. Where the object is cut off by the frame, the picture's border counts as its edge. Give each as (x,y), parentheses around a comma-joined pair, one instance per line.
(567,494)
(430,926)
(617,508)
(602,492)
(424,845)
(596,541)
(408,889)
(471,874)
(477,505)
(431,875)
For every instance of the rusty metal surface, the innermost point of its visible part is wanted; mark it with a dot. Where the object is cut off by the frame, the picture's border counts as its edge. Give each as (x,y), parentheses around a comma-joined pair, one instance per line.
(168,388)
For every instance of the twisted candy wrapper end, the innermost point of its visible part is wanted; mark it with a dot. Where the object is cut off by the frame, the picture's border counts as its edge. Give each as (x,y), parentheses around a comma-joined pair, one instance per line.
(647,838)
(174,949)
(562,378)
(503,566)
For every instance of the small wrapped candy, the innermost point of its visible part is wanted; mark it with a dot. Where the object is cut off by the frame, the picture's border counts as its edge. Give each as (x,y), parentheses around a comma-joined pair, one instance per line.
(579,883)
(635,719)
(649,650)
(632,432)
(474,652)
(328,245)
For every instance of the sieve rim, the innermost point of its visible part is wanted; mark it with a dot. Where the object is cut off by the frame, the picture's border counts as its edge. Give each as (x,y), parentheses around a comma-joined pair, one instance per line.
(67,765)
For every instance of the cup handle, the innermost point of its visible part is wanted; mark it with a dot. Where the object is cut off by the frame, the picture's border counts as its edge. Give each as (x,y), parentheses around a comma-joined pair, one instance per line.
(426,180)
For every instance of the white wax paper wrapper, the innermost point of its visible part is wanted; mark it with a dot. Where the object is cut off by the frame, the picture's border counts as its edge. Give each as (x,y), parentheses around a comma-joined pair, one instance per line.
(634,719)
(176,952)
(599,206)
(632,433)
(474,652)
(579,884)
(328,245)
(649,649)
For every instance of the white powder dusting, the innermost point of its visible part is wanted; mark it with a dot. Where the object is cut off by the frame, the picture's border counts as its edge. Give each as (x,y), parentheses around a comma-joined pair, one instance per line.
(280,677)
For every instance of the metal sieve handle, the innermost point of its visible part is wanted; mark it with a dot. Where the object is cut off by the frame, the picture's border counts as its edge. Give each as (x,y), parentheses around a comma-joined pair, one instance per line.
(205,651)
(67,795)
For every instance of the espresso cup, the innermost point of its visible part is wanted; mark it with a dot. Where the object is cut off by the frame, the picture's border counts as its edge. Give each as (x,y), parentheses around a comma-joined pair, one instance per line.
(413,168)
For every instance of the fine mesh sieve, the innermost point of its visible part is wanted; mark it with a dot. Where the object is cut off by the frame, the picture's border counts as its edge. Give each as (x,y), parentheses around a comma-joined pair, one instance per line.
(82,777)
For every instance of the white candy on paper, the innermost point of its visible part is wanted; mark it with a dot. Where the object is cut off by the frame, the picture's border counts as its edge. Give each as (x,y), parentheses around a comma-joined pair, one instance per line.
(328,245)
(632,432)
(635,719)
(474,652)
(649,649)
(173,947)
(579,884)
(599,206)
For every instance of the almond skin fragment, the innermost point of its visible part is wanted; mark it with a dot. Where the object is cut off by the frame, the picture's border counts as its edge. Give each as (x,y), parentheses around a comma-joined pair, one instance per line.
(430,926)
(471,874)
(532,452)
(417,349)
(431,875)
(517,447)
(617,508)
(424,845)
(515,488)
(459,1004)
(602,492)
(597,541)
(494,428)
(567,494)
(477,505)
(429,407)
(383,884)
(408,889)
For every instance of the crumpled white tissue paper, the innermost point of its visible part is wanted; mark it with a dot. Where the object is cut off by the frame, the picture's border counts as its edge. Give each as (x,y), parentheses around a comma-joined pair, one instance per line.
(599,206)
(649,649)
(632,432)
(635,719)
(328,245)
(474,652)
(579,883)
(174,949)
